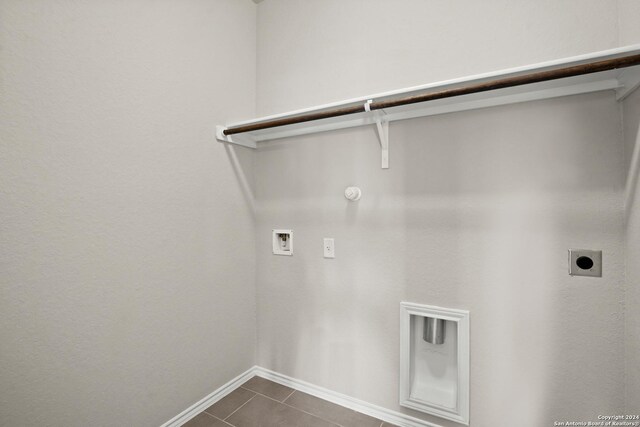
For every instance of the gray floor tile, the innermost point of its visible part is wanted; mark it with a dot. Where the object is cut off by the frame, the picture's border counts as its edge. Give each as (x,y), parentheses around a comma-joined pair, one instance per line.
(264,412)
(205,420)
(331,412)
(225,407)
(389,425)
(268,388)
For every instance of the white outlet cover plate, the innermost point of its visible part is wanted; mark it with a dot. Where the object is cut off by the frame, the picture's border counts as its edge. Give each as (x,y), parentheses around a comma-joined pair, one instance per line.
(329,248)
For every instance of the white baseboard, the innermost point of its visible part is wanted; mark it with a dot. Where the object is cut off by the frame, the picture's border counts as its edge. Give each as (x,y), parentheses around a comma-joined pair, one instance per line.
(386,415)
(210,399)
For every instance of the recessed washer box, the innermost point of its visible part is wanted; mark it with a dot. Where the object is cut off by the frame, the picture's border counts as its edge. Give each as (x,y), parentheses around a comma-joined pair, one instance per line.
(585,262)
(434,361)
(282,242)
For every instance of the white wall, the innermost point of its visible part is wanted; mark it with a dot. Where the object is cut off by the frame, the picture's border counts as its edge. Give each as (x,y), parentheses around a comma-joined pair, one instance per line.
(632,251)
(476,212)
(316,52)
(127,235)
(629,22)
(127,240)
(629,33)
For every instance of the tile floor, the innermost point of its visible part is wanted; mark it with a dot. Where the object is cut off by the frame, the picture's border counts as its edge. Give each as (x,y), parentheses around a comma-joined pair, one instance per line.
(263,403)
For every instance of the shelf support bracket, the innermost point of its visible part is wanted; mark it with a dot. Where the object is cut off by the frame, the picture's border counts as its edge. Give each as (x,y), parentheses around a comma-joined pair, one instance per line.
(630,81)
(382,126)
(235,139)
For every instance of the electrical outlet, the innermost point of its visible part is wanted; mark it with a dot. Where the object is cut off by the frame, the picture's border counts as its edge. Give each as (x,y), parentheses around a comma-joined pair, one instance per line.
(584,262)
(329,248)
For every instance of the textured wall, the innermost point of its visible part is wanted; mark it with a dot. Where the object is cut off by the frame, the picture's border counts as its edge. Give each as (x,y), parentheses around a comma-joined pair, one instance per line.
(632,249)
(316,52)
(127,236)
(476,212)
(629,12)
(629,21)
(127,241)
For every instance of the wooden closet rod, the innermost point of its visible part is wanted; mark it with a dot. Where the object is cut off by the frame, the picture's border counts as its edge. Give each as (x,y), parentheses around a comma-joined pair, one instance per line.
(542,76)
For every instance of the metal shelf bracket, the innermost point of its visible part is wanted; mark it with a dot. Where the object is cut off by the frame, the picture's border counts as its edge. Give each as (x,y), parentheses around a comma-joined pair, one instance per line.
(382,126)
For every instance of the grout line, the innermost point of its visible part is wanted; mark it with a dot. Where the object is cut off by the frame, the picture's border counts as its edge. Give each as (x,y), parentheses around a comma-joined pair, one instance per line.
(313,415)
(213,416)
(287,398)
(298,409)
(309,413)
(205,411)
(268,397)
(223,421)
(319,416)
(239,407)
(272,398)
